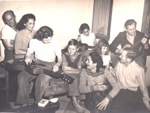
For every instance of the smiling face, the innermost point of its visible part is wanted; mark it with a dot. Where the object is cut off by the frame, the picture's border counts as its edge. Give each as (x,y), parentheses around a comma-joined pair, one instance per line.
(72,49)
(10,19)
(104,50)
(90,64)
(131,29)
(30,24)
(123,57)
(86,32)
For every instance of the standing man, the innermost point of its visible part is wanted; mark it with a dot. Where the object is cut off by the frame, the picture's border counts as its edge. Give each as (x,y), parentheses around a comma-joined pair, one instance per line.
(8,34)
(133,96)
(133,38)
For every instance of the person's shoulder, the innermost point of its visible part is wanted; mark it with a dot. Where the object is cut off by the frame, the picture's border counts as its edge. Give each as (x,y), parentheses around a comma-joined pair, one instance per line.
(139,33)
(34,41)
(55,41)
(83,72)
(33,31)
(137,66)
(78,53)
(6,28)
(122,33)
(21,31)
(66,53)
(92,34)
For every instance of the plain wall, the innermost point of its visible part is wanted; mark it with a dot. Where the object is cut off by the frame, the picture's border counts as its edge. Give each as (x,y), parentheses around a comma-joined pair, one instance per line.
(63,16)
(123,10)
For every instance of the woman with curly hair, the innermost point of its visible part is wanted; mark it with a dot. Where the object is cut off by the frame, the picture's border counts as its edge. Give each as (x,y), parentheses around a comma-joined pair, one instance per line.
(45,50)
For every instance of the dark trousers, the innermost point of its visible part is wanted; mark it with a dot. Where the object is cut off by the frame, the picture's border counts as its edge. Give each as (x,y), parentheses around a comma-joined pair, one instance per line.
(128,101)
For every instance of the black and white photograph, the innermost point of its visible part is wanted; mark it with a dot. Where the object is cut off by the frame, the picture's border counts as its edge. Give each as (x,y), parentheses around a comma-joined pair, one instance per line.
(74,56)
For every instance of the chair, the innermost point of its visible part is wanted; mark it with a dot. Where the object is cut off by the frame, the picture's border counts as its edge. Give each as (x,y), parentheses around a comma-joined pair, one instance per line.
(4,75)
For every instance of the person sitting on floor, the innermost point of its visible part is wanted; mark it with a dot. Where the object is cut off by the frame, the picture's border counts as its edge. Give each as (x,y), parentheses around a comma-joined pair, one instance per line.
(94,84)
(133,96)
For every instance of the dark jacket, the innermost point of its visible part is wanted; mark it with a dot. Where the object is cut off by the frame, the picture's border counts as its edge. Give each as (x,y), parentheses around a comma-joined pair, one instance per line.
(121,39)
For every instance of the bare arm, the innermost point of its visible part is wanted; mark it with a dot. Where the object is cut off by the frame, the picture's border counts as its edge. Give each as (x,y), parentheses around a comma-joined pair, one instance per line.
(79,38)
(94,41)
(8,43)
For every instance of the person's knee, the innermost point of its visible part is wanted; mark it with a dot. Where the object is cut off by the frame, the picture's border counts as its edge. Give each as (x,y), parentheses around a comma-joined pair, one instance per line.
(42,79)
(22,75)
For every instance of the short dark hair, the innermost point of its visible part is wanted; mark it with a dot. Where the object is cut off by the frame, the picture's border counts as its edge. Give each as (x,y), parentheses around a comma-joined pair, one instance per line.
(73,42)
(43,32)
(96,58)
(8,11)
(130,53)
(83,26)
(130,22)
(24,20)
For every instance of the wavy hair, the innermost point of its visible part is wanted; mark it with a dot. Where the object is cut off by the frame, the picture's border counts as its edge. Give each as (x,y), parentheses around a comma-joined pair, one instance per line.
(43,32)
(24,20)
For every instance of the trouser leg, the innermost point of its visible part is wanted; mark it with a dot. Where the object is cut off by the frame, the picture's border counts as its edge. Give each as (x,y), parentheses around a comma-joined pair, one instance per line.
(41,84)
(24,87)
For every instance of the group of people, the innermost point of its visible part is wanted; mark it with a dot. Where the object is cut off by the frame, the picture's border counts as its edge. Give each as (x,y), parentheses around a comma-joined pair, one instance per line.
(111,79)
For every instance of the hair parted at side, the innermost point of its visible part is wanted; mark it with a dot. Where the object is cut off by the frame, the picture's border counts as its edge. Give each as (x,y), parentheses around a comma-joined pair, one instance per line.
(43,32)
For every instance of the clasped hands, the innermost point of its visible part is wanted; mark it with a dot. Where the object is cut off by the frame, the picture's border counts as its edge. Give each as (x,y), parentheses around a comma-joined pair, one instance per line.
(100,87)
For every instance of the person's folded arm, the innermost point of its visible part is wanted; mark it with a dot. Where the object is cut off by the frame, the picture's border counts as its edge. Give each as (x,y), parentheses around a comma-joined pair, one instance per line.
(68,69)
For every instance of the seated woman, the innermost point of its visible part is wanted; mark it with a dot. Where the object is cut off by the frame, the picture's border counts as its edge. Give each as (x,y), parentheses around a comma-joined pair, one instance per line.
(93,83)
(45,53)
(24,35)
(86,37)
